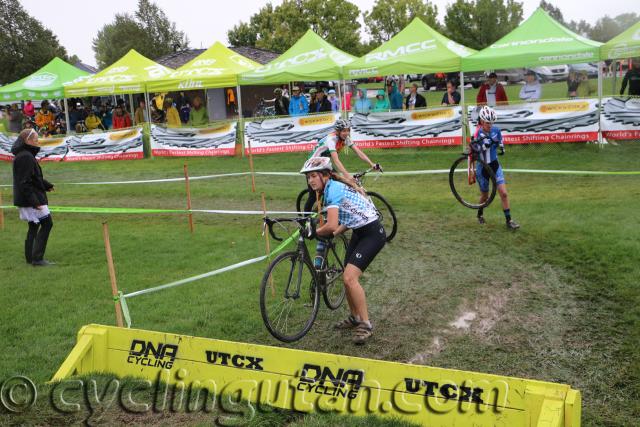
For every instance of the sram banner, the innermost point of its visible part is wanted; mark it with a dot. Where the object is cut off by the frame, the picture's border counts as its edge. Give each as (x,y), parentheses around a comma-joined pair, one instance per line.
(546,122)
(419,128)
(216,140)
(287,134)
(201,371)
(113,145)
(620,118)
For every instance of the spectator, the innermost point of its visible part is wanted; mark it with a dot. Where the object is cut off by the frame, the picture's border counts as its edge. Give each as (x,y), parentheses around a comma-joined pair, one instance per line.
(532,90)
(414,99)
(584,87)
(298,105)
(107,117)
(285,91)
(185,110)
(15,119)
(29,110)
(346,101)
(76,114)
(198,115)
(141,116)
(335,107)
(322,104)
(312,98)
(93,122)
(172,115)
(632,77)
(395,97)
(30,196)
(45,119)
(382,103)
(281,103)
(491,92)
(572,84)
(121,118)
(451,96)
(362,105)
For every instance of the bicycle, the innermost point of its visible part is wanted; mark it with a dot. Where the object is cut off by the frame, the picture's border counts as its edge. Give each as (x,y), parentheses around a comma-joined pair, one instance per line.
(386,214)
(291,286)
(462,178)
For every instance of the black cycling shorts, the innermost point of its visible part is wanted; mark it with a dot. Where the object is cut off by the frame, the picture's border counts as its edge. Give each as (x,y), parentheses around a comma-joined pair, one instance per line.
(365,244)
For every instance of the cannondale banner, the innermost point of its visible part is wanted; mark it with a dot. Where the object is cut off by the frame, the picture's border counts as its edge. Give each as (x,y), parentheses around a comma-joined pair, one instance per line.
(620,118)
(287,134)
(218,140)
(114,145)
(546,122)
(420,128)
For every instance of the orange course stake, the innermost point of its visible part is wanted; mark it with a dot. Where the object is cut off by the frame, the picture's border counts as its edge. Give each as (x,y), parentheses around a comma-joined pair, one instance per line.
(186,180)
(112,273)
(1,214)
(253,174)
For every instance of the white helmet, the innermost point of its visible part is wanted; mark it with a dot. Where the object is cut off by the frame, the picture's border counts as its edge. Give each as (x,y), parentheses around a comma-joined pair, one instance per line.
(317,164)
(488,114)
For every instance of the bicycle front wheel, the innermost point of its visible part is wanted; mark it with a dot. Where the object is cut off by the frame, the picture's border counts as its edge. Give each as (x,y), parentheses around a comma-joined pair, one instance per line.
(464,186)
(333,292)
(387,215)
(289,297)
(301,200)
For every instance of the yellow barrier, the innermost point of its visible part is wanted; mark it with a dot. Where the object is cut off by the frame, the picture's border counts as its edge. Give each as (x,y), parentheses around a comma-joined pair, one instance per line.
(309,381)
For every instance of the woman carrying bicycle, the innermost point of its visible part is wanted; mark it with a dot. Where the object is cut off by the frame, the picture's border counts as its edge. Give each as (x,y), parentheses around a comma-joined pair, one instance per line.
(347,208)
(487,139)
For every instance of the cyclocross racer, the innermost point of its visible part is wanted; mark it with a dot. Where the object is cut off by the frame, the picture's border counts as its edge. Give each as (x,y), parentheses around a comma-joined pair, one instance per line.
(487,140)
(346,208)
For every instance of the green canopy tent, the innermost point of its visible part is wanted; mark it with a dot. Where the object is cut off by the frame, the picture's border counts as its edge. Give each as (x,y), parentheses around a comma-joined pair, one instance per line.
(624,45)
(538,41)
(46,83)
(416,49)
(216,67)
(310,59)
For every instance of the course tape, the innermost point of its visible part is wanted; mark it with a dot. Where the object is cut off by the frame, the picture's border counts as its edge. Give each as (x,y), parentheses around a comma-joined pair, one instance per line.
(78,209)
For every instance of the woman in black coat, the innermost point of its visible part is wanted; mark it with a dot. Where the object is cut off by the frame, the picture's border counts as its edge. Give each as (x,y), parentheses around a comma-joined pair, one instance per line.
(30,196)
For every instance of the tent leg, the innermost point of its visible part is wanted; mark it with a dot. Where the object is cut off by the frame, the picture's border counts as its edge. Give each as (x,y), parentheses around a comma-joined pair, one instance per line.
(240,130)
(600,65)
(66,115)
(340,97)
(131,106)
(465,124)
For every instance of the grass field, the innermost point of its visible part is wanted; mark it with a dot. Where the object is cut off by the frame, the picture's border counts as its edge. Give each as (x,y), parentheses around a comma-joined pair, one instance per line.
(556,301)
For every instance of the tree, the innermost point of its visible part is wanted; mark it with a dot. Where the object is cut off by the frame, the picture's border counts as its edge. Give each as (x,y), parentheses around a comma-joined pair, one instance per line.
(385,20)
(553,11)
(278,28)
(148,31)
(607,28)
(477,24)
(26,44)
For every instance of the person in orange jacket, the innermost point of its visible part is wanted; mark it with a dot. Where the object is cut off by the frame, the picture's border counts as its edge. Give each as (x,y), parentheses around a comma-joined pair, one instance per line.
(121,119)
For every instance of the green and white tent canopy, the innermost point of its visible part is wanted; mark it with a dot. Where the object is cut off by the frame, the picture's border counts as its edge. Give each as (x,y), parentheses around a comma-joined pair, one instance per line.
(624,45)
(46,83)
(129,74)
(416,49)
(540,40)
(216,67)
(310,59)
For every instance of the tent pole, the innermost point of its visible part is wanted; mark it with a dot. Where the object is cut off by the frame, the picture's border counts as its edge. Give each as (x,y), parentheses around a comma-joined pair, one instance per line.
(465,124)
(340,97)
(131,106)
(148,107)
(347,108)
(66,115)
(600,65)
(615,76)
(240,131)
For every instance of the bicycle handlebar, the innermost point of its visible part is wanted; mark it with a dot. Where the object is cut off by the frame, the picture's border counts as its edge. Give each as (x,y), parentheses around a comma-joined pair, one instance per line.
(269,222)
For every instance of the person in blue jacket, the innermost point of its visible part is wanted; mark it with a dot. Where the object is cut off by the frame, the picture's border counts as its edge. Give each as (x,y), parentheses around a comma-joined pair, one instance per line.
(298,104)
(396,100)
(362,105)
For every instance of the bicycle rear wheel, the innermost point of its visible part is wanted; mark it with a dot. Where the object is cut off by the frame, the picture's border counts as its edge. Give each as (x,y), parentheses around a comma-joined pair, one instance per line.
(387,215)
(301,200)
(462,180)
(333,292)
(289,297)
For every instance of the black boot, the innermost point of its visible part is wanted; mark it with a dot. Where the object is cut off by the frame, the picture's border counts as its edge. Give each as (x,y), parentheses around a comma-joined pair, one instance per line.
(28,250)
(40,244)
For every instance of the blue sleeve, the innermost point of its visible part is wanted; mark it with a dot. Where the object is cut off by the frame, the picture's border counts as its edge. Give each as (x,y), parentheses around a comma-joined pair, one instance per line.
(498,136)
(291,108)
(333,195)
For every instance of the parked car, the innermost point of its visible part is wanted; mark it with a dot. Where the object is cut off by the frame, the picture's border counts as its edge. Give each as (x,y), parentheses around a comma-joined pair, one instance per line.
(591,69)
(510,75)
(551,73)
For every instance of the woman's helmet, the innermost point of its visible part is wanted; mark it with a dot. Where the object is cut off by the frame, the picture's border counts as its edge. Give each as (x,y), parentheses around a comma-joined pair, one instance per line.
(488,114)
(342,124)
(317,164)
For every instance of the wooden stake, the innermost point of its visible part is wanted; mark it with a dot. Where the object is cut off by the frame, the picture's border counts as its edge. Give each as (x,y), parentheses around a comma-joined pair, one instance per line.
(266,239)
(253,173)
(1,214)
(186,181)
(112,273)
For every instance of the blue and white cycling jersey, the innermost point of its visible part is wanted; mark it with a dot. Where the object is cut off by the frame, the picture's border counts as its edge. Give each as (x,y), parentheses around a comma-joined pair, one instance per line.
(490,142)
(354,209)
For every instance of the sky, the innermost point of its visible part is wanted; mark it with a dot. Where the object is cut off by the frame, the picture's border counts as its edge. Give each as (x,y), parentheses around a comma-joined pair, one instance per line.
(76,22)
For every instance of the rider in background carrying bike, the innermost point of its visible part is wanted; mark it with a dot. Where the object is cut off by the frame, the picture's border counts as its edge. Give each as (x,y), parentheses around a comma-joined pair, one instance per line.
(487,139)
(347,208)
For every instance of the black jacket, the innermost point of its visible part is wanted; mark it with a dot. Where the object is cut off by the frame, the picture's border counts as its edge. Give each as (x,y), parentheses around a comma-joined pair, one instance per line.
(325,106)
(29,186)
(282,106)
(420,101)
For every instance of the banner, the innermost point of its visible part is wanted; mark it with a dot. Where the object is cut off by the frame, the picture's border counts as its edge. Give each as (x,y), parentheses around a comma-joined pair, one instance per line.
(113,145)
(546,122)
(287,134)
(219,140)
(420,128)
(620,118)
